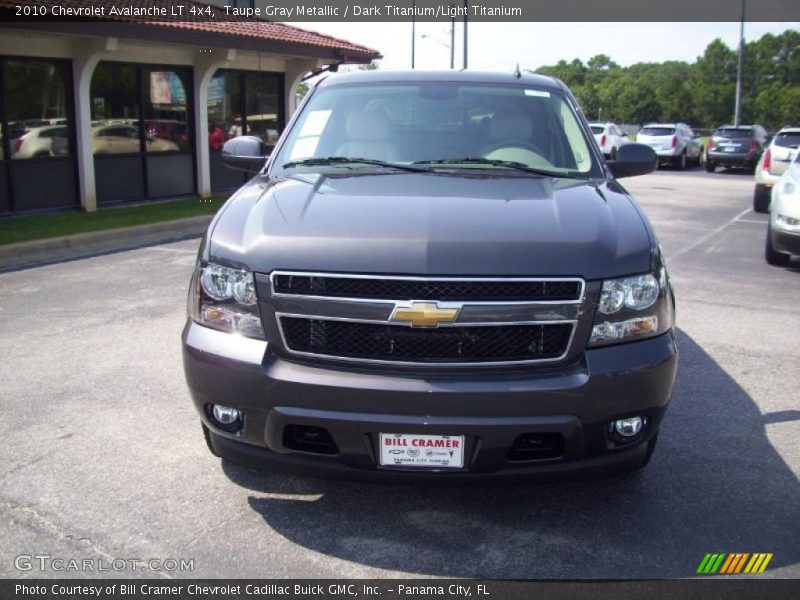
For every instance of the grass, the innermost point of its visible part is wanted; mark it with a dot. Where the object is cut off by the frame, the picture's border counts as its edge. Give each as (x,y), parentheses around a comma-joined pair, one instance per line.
(23,229)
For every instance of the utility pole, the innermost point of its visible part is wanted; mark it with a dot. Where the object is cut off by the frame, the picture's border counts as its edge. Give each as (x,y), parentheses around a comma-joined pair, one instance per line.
(452,39)
(737,116)
(413,30)
(466,11)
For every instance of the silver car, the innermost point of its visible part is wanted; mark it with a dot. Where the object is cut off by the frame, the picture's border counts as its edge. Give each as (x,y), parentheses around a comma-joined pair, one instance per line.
(675,143)
(773,163)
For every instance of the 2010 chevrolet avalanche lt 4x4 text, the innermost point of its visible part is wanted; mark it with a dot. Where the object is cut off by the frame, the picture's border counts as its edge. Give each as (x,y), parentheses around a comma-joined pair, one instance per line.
(434,276)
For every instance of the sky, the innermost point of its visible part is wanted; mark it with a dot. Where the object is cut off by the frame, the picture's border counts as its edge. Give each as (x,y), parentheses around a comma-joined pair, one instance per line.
(500,46)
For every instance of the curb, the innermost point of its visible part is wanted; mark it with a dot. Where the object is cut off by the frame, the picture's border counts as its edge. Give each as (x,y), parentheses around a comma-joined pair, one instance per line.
(40,252)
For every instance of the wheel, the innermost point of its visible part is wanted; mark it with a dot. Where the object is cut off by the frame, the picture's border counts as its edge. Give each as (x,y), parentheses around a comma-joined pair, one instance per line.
(682,161)
(698,160)
(207,436)
(613,154)
(775,258)
(710,167)
(761,198)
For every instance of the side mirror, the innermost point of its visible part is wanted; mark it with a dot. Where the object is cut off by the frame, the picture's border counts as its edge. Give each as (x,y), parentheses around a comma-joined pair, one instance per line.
(245,153)
(633,159)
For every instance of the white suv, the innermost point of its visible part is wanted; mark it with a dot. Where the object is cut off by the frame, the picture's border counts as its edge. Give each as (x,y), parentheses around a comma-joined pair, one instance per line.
(609,137)
(773,163)
(674,143)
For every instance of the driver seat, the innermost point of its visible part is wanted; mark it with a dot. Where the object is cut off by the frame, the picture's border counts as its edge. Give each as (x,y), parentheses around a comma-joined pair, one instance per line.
(368,137)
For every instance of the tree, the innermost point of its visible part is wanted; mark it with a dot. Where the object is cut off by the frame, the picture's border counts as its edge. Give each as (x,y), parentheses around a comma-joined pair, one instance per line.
(701,93)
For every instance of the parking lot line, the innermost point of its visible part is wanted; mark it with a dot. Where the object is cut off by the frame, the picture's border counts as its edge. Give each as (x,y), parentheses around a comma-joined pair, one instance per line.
(709,235)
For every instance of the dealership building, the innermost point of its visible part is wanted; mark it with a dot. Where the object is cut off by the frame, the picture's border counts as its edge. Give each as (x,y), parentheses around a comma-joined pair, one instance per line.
(97,112)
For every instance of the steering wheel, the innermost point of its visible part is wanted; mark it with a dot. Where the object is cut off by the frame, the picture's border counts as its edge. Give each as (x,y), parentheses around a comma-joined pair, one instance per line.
(513,144)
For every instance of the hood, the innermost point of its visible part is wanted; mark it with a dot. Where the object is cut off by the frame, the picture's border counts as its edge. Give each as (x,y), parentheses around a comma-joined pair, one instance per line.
(432,224)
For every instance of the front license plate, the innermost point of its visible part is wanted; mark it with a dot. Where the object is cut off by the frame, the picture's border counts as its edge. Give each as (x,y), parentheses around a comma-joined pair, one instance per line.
(417,450)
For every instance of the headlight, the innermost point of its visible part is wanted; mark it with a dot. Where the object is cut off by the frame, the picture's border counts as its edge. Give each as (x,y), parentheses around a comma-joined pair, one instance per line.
(632,308)
(225,299)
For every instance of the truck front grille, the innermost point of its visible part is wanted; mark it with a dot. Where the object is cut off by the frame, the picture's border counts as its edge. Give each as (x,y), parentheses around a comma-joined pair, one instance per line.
(493,290)
(452,344)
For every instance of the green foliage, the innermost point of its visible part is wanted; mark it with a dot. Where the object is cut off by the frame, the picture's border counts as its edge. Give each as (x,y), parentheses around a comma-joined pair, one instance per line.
(701,93)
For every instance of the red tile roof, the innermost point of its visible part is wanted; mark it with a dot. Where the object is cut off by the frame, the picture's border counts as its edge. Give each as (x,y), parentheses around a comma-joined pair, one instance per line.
(241,27)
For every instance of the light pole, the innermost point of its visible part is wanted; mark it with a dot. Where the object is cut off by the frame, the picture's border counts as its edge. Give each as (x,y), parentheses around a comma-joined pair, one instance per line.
(426,36)
(413,30)
(466,11)
(737,112)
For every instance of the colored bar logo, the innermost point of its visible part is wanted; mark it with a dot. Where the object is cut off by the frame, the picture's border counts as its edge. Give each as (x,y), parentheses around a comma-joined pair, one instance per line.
(721,563)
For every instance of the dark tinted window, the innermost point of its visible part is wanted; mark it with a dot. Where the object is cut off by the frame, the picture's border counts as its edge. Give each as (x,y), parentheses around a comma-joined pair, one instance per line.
(114,100)
(35,99)
(733,133)
(165,109)
(597,128)
(657,131)
(788,139)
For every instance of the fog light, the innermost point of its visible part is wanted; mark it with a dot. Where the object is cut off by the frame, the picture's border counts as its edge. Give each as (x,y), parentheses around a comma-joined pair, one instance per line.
(630,427)
(225,415)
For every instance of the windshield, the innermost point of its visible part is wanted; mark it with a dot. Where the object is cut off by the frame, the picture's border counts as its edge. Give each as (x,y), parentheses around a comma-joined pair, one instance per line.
(657,131)
(732,133)
(513,127)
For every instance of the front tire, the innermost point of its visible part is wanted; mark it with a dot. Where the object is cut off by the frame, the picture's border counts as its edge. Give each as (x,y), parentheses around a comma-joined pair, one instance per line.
(761,198)
(775,258)
(710,167)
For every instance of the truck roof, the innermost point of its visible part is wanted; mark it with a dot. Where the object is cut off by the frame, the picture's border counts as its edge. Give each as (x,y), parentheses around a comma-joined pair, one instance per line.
(465,76)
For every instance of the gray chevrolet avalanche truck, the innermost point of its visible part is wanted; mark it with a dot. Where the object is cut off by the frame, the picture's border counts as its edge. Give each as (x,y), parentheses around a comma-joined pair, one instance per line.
(433,276)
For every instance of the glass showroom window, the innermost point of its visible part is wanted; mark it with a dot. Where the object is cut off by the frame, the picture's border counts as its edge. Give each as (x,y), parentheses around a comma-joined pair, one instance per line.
(36,116)
(115,110)
(242,103)
(166,116)
(142,132)
(36,103)
(224,108)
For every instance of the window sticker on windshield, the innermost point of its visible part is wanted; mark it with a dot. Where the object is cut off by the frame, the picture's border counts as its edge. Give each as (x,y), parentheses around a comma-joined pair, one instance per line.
(539,93)
(315,122)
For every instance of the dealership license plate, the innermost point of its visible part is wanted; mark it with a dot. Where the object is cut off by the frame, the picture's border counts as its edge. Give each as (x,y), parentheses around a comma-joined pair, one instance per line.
(417,450)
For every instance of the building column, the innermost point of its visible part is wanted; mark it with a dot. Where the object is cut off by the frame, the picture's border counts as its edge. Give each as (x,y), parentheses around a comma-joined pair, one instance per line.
(205,66)
(295,71)
(86,55)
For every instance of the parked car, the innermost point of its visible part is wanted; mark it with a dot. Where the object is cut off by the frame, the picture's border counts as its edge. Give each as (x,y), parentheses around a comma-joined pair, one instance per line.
(733,146)
(37,142)
(675,143)
(773,163)
(609,137)
(403,292)
(783,233)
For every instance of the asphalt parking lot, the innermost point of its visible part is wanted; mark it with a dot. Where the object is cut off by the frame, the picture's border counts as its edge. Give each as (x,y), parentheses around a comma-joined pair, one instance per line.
(103,456)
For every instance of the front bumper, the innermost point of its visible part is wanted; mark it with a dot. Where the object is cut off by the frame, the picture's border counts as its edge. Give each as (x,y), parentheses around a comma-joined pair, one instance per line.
(784,241)
(575,401)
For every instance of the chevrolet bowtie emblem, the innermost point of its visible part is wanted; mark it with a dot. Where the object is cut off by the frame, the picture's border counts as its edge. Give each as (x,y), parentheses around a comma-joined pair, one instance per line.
(424,314)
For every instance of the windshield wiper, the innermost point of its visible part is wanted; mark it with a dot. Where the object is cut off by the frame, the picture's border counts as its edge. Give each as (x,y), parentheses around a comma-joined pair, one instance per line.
(337,160)
(509,164)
